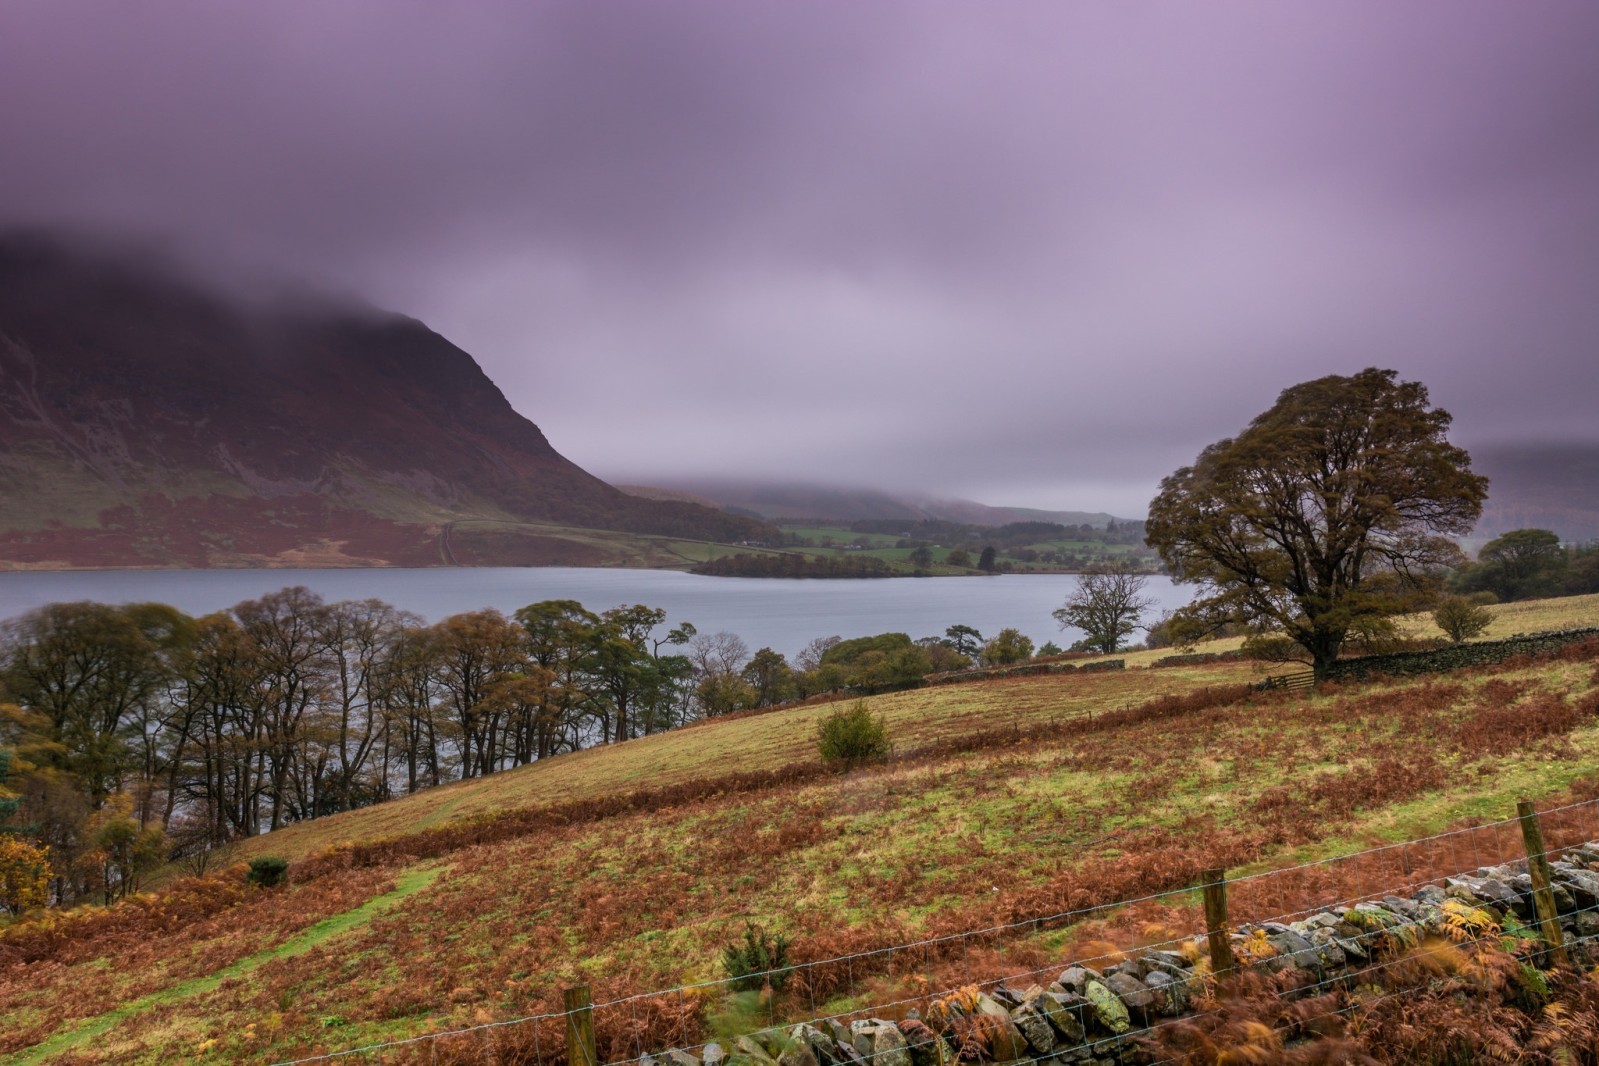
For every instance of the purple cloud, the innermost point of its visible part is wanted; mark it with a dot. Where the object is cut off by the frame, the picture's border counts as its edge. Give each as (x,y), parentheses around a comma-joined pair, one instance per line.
(1033,253)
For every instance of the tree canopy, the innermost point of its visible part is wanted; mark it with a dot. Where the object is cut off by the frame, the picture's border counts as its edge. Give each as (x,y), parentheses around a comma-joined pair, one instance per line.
(1324,517)
(1008,646)
(1107,605)
(1518,565)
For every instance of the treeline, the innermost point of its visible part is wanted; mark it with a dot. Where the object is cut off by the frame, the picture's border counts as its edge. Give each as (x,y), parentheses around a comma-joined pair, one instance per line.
(795,564)
(1527,564)
(136,735)
(129,734)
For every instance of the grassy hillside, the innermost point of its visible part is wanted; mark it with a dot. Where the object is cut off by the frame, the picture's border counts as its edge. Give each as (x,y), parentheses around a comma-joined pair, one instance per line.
(628,867)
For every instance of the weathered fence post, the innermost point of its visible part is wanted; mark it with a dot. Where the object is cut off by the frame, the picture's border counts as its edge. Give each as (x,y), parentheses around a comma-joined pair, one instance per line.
(580,1047)
(1216,924)
(1543,898)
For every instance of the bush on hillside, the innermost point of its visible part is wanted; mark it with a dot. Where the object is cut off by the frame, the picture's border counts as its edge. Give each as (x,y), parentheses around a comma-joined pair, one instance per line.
(268,871)
(853,735)
(761,961)
(1010,646)
(1461,619)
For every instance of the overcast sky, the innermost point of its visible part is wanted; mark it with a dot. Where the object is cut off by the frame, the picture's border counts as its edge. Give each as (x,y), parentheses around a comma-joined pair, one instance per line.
(1028,253)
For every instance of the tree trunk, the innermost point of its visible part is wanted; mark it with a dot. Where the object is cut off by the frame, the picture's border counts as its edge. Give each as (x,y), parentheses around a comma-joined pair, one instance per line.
(1323,650)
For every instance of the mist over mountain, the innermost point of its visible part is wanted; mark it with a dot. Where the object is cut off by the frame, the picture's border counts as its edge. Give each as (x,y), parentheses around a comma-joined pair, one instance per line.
(779,499)
(149,419)
(1552,486)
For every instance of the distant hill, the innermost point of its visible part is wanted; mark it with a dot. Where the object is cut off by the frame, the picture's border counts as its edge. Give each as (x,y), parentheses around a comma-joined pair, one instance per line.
(1546,486)
(649,492)
(1541,486)
(777,500)
(146,419)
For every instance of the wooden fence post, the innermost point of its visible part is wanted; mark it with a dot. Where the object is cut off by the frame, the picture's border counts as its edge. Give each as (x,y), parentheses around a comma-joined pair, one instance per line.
(1543,898)
(1216,924)
(580,1048)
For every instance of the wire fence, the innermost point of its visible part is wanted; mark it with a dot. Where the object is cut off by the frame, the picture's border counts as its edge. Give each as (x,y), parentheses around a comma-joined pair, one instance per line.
(1004,956)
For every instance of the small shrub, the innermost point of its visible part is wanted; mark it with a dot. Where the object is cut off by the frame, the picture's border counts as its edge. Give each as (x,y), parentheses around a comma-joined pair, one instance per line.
(267,871)
(853,735)
(1461,619)
(761,961)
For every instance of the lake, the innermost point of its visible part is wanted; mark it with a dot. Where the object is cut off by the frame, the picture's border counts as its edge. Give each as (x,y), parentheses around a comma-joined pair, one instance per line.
(767,612)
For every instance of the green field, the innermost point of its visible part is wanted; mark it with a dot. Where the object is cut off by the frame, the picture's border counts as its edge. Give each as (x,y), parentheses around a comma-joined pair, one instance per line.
(605,547)
(1006,799)
(840,541)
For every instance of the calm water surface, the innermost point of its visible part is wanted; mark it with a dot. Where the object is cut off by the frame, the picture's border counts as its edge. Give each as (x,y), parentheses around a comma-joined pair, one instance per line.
(772,612)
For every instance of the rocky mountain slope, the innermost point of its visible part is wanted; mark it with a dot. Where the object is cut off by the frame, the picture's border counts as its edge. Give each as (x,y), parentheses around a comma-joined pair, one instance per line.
(147,420)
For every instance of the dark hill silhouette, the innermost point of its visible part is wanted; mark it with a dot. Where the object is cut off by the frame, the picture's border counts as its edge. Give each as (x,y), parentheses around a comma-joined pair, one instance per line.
(147,419)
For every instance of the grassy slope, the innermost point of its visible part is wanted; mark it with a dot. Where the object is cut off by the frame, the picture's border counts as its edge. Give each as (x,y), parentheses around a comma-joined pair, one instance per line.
(947,840)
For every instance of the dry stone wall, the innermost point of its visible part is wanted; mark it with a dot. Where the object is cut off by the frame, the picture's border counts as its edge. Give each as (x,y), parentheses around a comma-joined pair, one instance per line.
(1198,658)
(1025,670)
(1457,656)
(1103,1017)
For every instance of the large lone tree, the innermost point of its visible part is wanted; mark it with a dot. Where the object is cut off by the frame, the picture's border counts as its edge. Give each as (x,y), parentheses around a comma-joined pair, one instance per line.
(1323,518)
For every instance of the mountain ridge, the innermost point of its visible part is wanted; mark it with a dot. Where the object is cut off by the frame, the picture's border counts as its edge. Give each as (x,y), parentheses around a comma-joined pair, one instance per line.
(134,402)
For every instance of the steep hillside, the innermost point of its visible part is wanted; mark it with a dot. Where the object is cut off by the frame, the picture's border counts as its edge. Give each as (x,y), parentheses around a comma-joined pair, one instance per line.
(628,867)
(145,420)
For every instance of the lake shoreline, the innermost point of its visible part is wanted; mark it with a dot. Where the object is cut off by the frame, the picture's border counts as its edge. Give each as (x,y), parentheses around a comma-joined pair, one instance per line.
(782,613)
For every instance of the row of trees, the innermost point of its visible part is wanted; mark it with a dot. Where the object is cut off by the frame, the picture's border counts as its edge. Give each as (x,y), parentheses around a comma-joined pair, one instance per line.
(128,731)
(795,564)
(133,734)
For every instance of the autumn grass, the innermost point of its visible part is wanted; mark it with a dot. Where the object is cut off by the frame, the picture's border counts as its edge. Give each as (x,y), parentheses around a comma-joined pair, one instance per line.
(766,741)
(1005,801)
(902,852)
(1535,616)
(100,1028)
